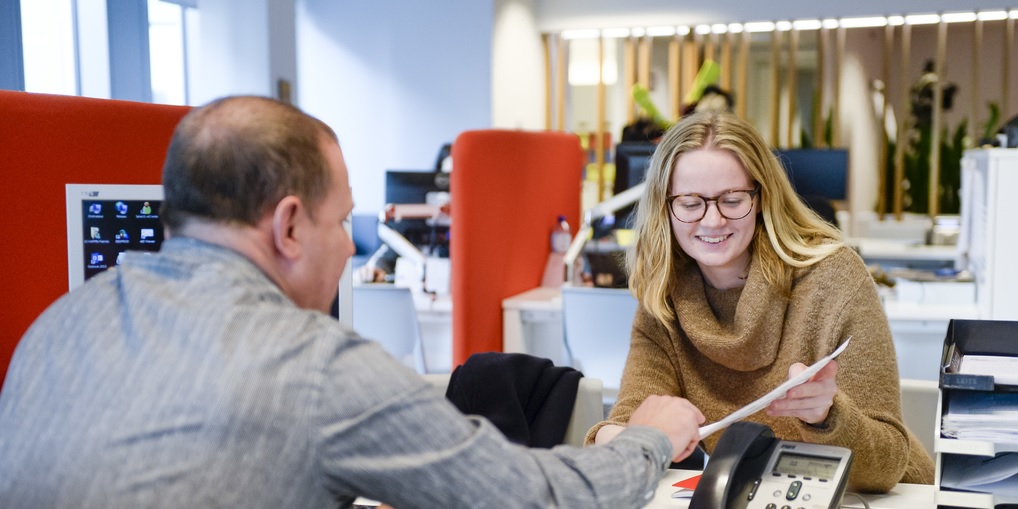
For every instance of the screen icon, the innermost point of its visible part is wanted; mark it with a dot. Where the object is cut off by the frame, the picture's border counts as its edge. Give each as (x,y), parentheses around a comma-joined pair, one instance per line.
(96,259)
(147,233)
(94,232)
(146,208)
(95,208)
(121,207)
(122,235)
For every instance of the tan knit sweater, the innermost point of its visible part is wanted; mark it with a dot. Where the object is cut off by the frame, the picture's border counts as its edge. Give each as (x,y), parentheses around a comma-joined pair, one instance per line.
(734,346)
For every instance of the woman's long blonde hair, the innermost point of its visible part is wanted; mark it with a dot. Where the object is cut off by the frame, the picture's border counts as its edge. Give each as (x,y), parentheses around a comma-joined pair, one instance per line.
(790,234)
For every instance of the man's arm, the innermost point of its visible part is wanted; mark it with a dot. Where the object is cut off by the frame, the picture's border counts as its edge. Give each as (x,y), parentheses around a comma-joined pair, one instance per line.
(385,434)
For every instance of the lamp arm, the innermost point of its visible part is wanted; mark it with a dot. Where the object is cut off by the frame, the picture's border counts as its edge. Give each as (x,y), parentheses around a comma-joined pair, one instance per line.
(400,244)
(613,204)
(609,206)
(573,252)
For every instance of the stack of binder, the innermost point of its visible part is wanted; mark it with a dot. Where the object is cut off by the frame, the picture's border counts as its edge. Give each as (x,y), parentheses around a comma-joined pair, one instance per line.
(977,451)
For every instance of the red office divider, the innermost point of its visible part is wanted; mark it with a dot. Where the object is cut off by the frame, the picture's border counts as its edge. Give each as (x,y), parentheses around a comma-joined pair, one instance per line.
(47,141)
(508,187)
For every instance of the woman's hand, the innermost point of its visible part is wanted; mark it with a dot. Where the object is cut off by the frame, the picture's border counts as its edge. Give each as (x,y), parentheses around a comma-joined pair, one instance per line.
(811,401)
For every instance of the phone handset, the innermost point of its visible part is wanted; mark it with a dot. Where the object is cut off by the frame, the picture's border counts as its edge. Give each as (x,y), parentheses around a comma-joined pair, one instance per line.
(734,468)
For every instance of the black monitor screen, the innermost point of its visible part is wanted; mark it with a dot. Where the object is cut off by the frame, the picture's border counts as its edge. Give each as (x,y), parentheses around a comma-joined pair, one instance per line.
(631,161)
(414,186)
(111,227)
(816,172)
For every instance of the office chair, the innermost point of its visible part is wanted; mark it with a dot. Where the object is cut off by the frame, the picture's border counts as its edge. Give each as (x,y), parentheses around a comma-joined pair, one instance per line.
(596,325)
(386,314)
(919,400)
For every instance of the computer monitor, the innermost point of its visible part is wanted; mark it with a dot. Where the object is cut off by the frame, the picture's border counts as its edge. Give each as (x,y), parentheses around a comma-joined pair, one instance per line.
(105,220)
(816,172)
(408,186)
(423,186)
(632,158)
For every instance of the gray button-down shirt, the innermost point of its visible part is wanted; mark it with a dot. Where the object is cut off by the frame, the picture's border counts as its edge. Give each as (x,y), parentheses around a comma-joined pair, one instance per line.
(187,379)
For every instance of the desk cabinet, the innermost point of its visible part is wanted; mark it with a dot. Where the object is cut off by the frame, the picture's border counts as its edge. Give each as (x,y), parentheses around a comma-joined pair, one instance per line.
(985,337)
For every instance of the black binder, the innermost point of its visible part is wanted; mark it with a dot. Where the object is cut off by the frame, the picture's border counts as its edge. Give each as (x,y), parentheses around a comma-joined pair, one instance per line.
(976,337)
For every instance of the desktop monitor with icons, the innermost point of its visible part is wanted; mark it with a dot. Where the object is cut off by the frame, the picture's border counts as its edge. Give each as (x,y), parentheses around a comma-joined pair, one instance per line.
(104,221)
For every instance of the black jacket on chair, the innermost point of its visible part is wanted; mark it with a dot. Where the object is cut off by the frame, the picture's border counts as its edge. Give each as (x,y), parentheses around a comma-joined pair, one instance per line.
(528,398)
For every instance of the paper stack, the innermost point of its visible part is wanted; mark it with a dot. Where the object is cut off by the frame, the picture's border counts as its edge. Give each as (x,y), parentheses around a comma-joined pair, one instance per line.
(987,416)
(997,475)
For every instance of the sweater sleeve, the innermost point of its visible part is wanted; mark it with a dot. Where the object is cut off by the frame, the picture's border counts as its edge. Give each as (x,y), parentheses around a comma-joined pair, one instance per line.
(649,370)
(866,414)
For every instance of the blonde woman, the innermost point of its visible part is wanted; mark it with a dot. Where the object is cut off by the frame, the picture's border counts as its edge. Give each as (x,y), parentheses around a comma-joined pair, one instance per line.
(742,286)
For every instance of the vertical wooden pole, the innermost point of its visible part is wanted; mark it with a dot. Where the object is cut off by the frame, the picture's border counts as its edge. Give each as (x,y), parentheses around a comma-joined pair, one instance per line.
(599,130)
(708,47)
(726,61)
(560,84)
(821,110)
(690,64)
(741,98)
(549,100)
(839,62)
(674,75)
(643,64)
(884,138)
(977,41)
(938,99)
(629,76)
(793,55)
(903,124)
(775,88)
(1005,69)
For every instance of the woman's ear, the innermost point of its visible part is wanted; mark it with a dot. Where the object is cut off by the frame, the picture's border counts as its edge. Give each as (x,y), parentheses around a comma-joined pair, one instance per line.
(286,219)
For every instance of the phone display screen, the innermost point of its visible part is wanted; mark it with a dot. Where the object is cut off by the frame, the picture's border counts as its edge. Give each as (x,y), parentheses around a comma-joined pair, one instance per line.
(806,466)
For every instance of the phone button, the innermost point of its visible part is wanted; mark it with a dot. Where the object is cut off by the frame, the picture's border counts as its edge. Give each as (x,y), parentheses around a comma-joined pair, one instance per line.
(793,490)
(752,492)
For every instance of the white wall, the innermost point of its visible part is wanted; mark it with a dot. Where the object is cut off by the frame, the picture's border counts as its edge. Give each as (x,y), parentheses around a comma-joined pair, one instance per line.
(518,75)
(396,80)
(235,38)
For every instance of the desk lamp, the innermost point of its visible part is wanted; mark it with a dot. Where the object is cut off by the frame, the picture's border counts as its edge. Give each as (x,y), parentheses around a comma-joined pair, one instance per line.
(607,207)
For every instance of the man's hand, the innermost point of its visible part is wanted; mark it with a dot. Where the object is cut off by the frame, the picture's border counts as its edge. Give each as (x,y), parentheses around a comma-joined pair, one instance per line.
(676,417)
(811,401)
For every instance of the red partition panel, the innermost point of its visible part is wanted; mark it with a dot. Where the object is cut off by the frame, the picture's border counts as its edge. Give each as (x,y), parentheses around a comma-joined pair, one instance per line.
(508,188)
(47,141)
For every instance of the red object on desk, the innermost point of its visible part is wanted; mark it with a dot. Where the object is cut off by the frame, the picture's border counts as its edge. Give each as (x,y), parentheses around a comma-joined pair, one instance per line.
(689,483)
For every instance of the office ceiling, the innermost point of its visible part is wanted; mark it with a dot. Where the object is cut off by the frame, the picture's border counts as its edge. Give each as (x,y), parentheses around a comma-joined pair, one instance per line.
(555,15)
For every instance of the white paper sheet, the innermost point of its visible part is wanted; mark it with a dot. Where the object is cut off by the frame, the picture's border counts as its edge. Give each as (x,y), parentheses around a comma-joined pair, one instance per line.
(777,393)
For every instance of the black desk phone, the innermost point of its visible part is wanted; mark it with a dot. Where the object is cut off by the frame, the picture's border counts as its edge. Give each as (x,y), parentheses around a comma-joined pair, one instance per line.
(750,469)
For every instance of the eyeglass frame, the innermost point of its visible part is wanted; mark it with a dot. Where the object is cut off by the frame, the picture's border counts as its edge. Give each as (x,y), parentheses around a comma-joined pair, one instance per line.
(706,203)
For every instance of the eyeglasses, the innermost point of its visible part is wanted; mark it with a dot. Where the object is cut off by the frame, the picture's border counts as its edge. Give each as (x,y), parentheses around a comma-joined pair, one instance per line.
(691,208)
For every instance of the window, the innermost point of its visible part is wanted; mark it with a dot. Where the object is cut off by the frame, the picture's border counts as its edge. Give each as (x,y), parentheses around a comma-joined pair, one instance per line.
(47,37)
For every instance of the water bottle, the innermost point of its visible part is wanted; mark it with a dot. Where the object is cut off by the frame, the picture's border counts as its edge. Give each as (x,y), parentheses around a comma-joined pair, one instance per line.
(555,269)
(560,237)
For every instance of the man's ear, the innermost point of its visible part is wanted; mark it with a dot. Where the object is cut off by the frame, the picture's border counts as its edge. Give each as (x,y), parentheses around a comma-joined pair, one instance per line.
(286,218)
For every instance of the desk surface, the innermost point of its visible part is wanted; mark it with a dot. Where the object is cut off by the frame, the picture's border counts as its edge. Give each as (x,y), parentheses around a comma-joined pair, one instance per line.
(903,496)
(889,249)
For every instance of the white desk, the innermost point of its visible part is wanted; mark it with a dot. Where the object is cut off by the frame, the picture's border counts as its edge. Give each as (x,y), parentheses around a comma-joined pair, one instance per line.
(887,249)
(903,496)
